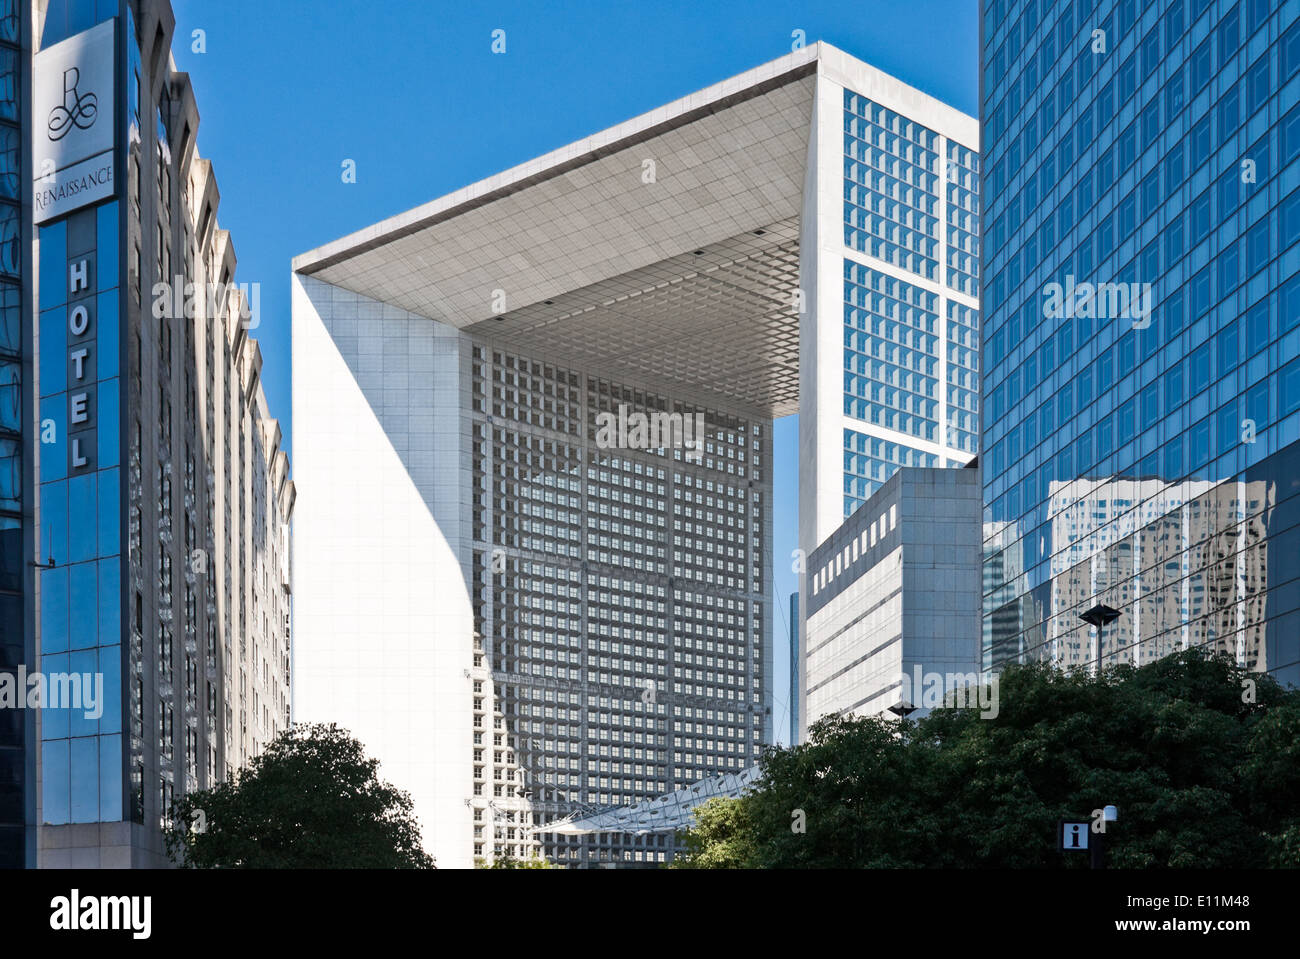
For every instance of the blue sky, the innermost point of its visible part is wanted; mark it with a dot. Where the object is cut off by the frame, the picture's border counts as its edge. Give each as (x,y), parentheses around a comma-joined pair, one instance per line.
(410,90)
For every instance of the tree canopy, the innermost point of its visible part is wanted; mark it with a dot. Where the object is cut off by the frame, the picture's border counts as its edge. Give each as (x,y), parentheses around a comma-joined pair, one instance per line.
(510,862)
(1201,757)
(312,800)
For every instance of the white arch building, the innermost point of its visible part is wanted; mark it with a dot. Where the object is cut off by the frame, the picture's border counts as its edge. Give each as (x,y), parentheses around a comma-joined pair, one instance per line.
(485,589)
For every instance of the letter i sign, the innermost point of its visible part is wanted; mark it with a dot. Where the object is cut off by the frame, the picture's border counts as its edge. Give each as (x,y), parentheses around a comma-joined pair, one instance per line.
(1074,836)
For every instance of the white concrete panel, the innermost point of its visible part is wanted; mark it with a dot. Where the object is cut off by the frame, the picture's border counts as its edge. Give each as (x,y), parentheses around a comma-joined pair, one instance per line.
(383,623)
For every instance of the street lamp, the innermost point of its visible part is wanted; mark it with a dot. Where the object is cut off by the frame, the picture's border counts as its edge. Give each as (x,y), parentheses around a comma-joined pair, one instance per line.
(1100,616)
(902,709)
(1097,848)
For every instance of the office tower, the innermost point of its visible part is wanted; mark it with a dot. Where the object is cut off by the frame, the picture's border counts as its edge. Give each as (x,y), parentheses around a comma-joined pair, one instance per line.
(796,662)
(893,194)
(1141,295)
(889,350)
(148,559)
(893,598)
(17,532)
(521,592)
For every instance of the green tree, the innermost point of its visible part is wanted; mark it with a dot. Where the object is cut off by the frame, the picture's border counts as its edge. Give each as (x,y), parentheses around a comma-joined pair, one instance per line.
(1202,758)
(312,800)
(721,839)
(510,862)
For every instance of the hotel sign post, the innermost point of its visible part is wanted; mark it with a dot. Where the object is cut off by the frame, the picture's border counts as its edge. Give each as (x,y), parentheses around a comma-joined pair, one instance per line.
(74,126)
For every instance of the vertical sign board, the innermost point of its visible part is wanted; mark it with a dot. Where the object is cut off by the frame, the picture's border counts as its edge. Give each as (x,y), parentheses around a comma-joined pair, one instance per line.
(82,372)
(73,123)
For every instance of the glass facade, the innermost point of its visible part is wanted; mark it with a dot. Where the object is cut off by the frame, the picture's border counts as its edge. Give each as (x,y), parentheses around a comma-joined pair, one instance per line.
(81,510)
(869,461)
(911,204)
(15,649)
(1141,296)
(891,187)
(963,378)
(891,353)
(66,18)
(963,219)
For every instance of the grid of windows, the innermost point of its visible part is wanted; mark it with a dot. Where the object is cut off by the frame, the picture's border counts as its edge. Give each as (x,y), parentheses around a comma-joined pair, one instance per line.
(13,642)
(963,208)
(891,352)
(870,460)
(891,189)
(1152,146)
(619,595)
(963,377)
(910,353)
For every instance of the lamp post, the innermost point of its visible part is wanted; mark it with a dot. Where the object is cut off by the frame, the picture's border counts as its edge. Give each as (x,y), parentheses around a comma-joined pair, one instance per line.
(1097,848)
(902,709)
(1100,616)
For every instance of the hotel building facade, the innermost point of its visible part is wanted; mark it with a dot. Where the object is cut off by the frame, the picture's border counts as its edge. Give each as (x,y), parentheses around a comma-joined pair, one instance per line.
(525,621)
(148,500)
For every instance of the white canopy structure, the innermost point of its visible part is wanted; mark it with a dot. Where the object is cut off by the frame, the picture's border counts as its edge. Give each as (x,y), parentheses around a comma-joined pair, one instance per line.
(667,813)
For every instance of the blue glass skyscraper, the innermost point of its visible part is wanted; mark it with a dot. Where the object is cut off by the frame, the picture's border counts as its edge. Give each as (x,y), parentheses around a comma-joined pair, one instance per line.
(1141,298)
(17,732)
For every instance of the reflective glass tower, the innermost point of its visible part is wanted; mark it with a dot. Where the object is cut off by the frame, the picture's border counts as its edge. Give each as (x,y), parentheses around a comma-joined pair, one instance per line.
(17,732)
(1141,386)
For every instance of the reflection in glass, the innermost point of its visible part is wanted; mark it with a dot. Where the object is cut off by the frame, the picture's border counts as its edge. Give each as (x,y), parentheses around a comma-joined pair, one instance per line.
(110,600)
(82,518)
(54,722)
(9,25)
(9,162)
(66,18)
(56,779)
(54,611)
(109,445)
(84,769)
(110,512)
(11,473)
(11,239)
(54,521)
(11,398)
(106,251)
(11,553)
(83,626)
(110,761)
(82,720)
(8,84)
(53,287)
(11,318)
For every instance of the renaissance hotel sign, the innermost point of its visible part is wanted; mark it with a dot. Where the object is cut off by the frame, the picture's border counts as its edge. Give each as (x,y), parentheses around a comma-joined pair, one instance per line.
(73,124)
